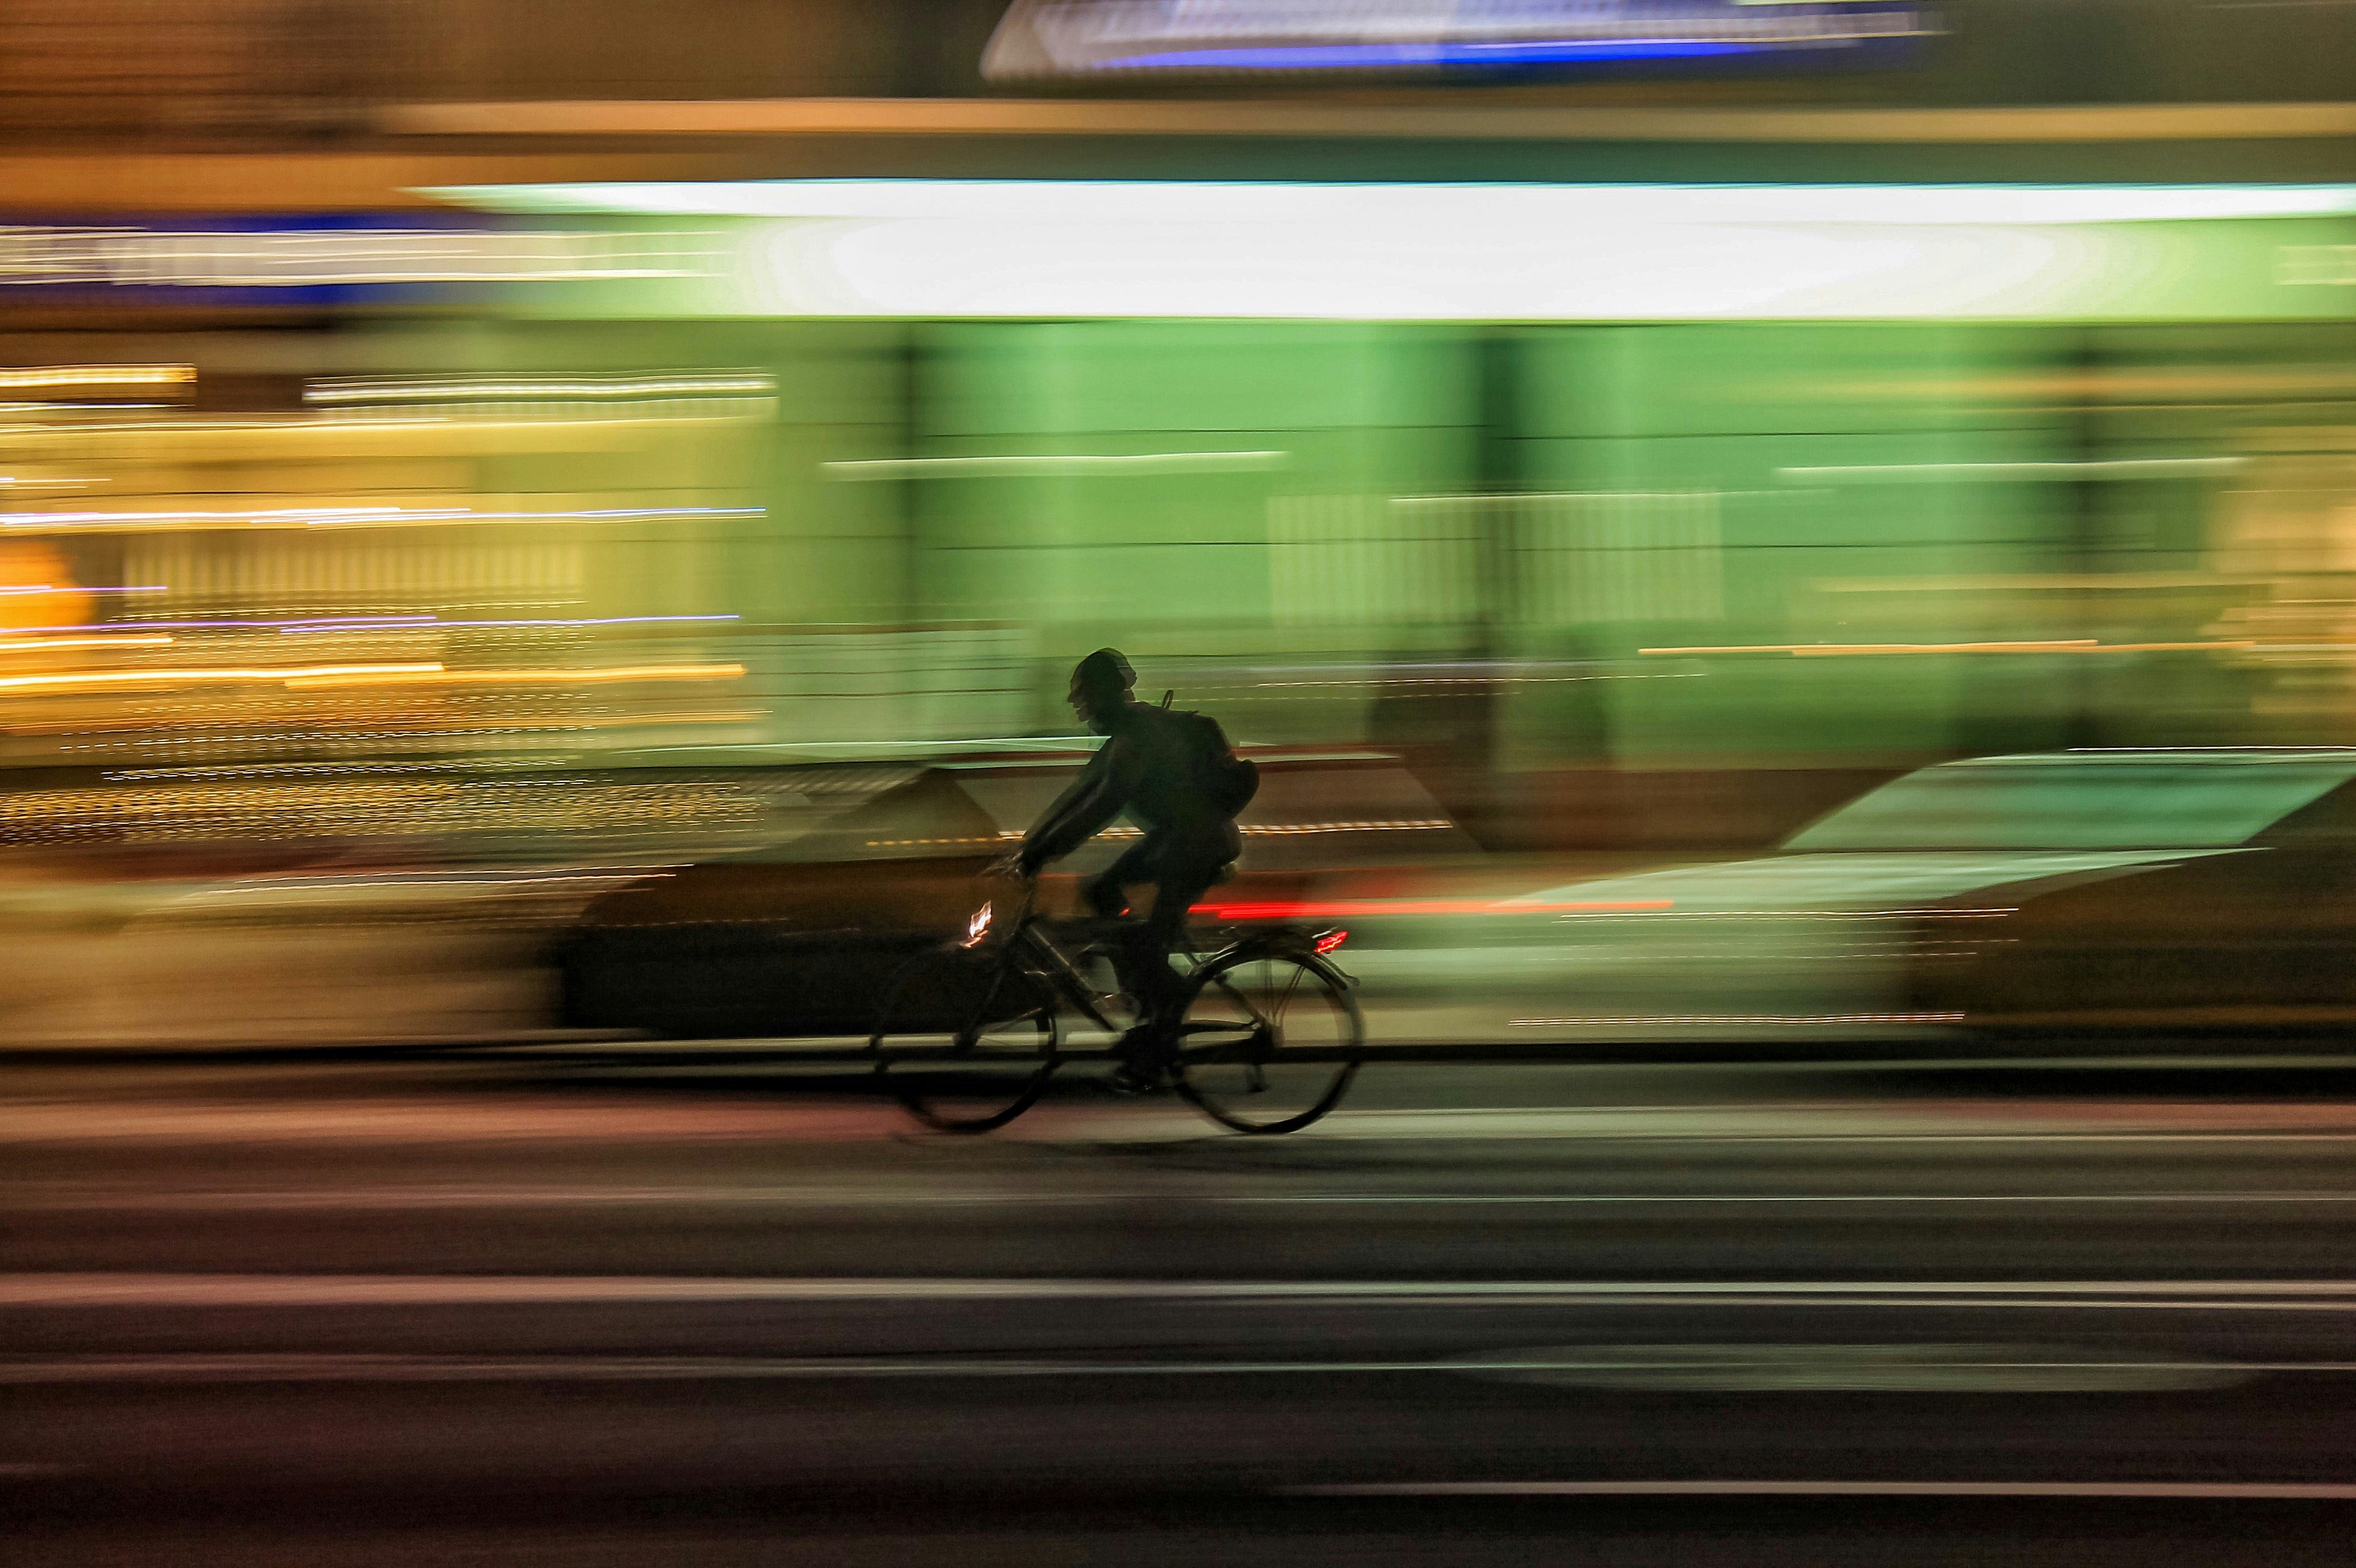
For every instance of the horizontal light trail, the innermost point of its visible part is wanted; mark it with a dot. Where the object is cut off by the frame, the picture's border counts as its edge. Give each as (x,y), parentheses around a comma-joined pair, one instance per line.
(2250,1490)
(1733,1020)
(50,644)
(1064,465)
(435,675)
(361,1367)
(292,675)
(427,1122)
(364,390)
(146,1290)
(902,249)
(1363,908)
(1464,121)
(97,376)
(436,623)
(329,1199)
(46,590)
(1887,649)
(340,516)
(2112,469)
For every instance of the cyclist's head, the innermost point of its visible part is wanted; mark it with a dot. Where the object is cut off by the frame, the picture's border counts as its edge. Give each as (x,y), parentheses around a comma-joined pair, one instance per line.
(1100,684)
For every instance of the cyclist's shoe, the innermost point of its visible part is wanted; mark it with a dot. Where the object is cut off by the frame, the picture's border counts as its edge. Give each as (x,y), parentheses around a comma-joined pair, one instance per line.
(1140,1070)
(1128,1079)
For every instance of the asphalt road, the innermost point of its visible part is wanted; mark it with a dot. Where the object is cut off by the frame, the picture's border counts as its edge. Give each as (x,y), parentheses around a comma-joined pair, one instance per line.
(608,1306)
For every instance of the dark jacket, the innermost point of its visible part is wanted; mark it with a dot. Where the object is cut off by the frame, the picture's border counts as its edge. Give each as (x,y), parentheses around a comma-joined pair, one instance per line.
(1150,767)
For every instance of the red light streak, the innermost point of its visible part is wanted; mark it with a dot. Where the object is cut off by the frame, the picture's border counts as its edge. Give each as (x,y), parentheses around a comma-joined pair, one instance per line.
(1361,909)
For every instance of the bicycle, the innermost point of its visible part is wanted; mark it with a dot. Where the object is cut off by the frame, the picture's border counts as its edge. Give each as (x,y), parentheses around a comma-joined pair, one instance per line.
(971,1031)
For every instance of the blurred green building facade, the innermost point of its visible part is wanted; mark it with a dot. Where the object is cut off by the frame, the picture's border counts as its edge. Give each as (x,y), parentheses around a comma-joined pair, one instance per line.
(1666,544)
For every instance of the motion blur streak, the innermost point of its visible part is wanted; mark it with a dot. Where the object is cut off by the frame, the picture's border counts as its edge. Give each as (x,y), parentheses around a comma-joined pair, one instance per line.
(1786,574)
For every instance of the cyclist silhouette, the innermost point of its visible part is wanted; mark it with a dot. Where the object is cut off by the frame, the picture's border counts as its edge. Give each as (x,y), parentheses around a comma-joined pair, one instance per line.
(1177,778)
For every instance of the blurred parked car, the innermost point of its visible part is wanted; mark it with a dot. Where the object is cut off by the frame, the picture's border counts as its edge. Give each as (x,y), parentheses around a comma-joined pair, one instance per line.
(801,939)
(2187,890)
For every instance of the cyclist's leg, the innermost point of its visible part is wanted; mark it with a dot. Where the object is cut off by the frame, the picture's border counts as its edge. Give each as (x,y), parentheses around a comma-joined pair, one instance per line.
(1185,878)
(1107,894)
(1108,891)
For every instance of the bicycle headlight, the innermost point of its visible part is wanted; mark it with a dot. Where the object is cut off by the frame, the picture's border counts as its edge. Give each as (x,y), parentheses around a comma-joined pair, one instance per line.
(977,928)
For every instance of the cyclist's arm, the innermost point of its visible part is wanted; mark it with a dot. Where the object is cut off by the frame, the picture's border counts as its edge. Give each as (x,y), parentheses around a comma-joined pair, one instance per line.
(1094,799)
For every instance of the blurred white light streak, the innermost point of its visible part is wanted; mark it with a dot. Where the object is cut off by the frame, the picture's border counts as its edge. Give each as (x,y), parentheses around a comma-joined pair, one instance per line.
(1077,463)
(2116,469)
(43,644)
(1061,250)
(1562,207)
(457,388)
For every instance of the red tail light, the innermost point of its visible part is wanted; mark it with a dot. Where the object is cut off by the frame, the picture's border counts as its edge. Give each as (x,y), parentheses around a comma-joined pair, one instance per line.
(1332,939)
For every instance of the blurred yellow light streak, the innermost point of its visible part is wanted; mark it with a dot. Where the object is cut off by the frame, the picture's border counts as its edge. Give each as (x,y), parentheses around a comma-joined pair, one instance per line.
(43,644)
(435,675)
(132,679)
(98,376)
(2027,581)
(2120,469)
(1854,650)
(32,523)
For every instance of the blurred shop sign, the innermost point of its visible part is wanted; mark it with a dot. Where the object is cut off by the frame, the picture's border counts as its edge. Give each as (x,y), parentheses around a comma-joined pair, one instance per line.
(311,261)
(1482,38)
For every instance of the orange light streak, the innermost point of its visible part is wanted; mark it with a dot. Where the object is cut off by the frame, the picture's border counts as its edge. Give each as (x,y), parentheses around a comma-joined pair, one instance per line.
(132,679)
(42,644)
(435,675)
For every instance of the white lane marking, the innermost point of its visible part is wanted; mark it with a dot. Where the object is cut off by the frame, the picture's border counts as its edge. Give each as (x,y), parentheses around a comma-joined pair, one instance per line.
(2240,1489)
(415,1121)
(1770,1197)
(364,1367)
(63,1289)
(492,1196)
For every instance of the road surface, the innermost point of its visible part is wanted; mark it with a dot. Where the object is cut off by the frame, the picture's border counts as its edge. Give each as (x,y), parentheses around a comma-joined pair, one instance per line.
(613,1305)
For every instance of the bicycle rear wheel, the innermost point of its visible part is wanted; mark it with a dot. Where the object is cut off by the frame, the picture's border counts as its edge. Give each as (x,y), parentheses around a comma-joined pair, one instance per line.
(1270,1043)
(965,1041)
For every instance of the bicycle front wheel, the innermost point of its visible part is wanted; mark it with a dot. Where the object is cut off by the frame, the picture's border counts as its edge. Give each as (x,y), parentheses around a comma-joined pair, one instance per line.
(965,1041)
(1270,1043)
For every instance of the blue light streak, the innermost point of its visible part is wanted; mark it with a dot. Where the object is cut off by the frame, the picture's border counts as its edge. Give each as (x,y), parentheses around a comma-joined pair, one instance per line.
(1347,56)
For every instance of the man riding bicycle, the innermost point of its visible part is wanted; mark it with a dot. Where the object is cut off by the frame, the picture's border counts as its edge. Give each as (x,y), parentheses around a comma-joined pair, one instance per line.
(1177,778)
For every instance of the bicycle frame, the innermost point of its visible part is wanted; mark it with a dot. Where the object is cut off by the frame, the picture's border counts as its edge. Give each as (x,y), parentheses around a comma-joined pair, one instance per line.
(1030,944)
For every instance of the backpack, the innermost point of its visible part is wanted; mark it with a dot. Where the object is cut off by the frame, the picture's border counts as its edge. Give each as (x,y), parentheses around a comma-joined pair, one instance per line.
(1225,780)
